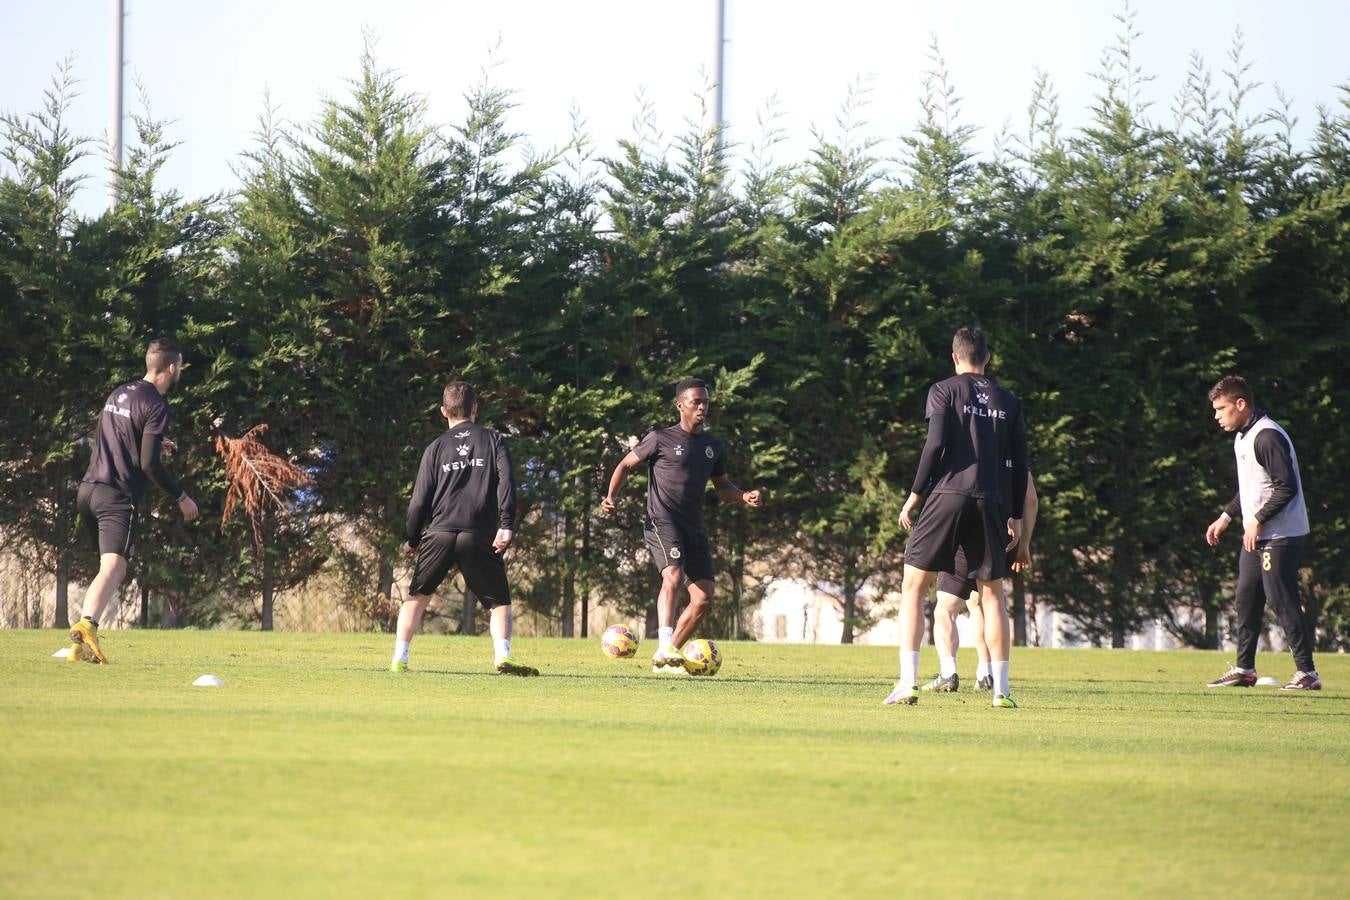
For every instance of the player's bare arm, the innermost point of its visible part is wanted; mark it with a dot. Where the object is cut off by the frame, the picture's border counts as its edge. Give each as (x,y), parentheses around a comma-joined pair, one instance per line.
(732,494)
(616,480)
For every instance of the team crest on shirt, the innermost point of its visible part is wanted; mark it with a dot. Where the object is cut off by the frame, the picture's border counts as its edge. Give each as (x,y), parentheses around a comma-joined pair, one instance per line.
(462,449)
(679,450)
(708,451)
(674,553)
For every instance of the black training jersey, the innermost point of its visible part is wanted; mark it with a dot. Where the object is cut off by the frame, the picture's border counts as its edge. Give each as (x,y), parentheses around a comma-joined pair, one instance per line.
(465,483)
(679,465)
(977,442)
(132,411)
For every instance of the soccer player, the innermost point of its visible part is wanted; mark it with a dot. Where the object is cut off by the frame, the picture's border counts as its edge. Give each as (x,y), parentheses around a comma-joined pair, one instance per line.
(462,513)
(975,454)
(127,445)
(957,590)
(680,461)
(1274,526)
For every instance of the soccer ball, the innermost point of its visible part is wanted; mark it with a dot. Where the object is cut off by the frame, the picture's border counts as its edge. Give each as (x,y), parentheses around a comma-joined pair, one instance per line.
(702,658)
(619,643)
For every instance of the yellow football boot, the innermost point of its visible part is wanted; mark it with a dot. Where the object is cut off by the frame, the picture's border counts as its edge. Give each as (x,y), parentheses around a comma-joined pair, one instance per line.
(508,666)
(86,633)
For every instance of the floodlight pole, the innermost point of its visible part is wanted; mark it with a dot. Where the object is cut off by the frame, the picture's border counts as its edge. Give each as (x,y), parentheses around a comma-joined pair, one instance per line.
(719,64)
(118,85)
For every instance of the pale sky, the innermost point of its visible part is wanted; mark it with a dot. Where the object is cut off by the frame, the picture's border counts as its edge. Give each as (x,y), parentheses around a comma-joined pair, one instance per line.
(206,65)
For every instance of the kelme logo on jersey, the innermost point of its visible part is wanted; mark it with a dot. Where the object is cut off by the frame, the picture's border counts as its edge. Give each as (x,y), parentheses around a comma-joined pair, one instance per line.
(462,449)
(982,412)
(462,435)
(679,450)
(122,397)
(982,398)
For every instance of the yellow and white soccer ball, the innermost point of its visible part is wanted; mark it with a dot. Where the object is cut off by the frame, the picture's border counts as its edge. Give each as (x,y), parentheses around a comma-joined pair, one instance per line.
(618,642)
(702,658)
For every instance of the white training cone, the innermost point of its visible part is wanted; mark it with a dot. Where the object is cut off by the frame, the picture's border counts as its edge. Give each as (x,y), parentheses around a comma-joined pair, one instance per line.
(208,681)
(62,653)
(1267,681)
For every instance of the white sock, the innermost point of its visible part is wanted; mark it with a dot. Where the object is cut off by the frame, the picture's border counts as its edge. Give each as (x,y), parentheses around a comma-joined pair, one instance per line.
(909,671)
(982,670)
(401,651)
(666,637)
(1000,667)
(947,666)
(503,647)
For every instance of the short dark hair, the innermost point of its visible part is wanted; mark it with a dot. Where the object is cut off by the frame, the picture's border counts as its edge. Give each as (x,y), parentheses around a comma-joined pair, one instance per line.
(689,384)
(970,345)
(1232,387)
(459,398)
(162,353)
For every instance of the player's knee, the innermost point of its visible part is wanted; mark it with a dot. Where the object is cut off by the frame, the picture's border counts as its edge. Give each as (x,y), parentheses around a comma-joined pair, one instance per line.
(112,565)
(671,577)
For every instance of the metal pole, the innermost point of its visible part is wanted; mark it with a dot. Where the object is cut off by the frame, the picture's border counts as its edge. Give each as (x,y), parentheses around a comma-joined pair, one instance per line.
(719,67)
(115,126)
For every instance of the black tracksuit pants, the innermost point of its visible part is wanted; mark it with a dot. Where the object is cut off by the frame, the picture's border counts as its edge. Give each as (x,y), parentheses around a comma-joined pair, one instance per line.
(1269,575)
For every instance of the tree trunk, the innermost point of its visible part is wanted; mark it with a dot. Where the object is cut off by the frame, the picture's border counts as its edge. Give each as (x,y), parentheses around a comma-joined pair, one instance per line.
(61,614)
(385,583)
(1312,612)
(145,606)
(1117,634)
(466,624)
(268,591)
(168,615)
(738,578)
(850,605)
(1211,624)
(569,576)
(1019,611)
(585,579)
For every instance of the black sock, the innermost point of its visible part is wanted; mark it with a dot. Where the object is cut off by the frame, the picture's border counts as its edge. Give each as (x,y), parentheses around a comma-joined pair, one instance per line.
(91,620)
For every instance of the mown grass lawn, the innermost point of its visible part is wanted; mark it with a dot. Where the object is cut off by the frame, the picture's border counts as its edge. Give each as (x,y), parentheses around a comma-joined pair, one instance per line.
(314,772)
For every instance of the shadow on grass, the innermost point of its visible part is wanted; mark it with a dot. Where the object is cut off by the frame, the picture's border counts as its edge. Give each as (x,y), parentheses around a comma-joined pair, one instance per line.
(644,678)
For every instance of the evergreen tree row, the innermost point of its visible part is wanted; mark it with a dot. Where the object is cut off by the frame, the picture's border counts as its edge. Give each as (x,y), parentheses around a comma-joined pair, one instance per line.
(370,256)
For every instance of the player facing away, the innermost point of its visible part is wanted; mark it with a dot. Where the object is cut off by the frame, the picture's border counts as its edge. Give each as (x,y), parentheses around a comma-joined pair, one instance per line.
(973,472)
(957,590)
(462,513)
(680,461)
(127,447)
(1274,527)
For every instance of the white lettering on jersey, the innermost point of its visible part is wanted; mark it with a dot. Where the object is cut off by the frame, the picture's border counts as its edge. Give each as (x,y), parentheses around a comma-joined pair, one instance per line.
(980,412)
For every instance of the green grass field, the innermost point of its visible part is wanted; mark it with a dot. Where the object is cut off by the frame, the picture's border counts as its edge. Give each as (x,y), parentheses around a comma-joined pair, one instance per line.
(315,772)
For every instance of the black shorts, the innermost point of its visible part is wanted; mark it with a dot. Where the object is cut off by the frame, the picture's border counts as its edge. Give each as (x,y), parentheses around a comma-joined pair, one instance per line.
(960,583)
(671,545)
(951,522)
(483,569)
(107,517)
